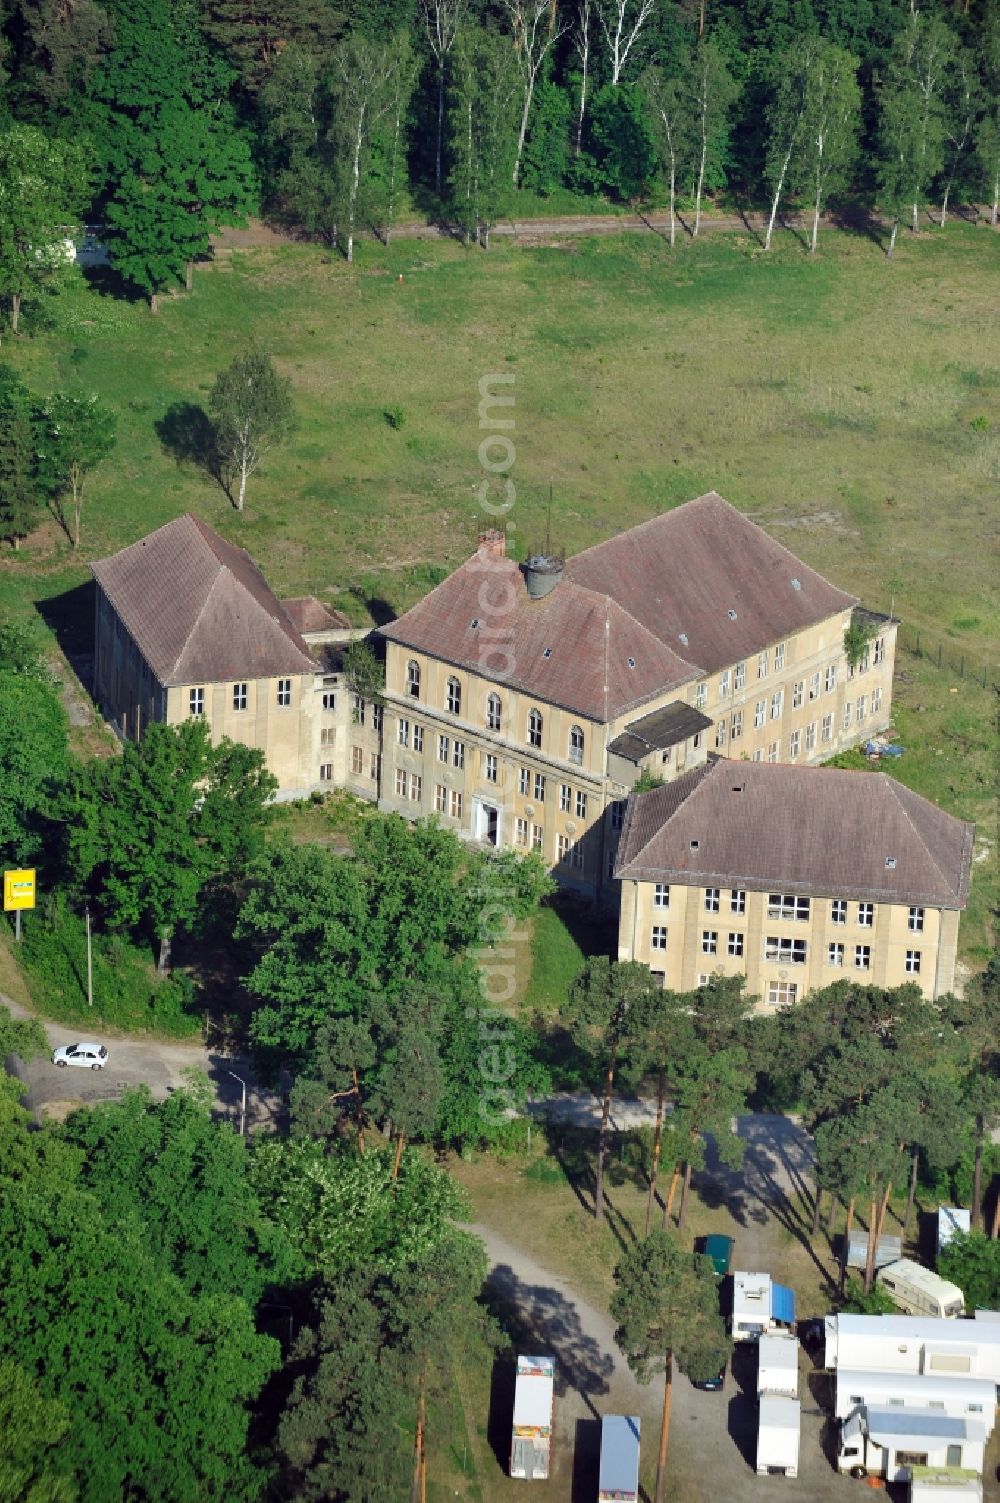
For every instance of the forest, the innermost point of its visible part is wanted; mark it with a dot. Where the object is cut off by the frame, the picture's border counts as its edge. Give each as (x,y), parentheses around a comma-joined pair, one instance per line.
(159,121)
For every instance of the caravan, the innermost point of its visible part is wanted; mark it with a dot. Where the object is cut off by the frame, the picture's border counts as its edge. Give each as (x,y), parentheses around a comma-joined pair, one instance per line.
(759,1306)
(917,1291)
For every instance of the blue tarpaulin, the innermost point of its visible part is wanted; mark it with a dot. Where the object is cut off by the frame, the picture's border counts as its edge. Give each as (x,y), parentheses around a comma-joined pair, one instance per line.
(783,1304)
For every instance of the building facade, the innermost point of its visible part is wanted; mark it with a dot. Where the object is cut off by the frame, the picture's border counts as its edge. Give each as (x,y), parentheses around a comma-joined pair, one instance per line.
(794,878)
(186,625)
(523,702)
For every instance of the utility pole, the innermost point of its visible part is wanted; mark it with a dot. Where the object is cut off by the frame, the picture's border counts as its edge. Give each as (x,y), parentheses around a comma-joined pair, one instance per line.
(90,962)
(243,1102)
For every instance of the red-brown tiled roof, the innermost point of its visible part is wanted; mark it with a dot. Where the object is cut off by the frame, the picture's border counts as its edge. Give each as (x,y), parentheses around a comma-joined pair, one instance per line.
(308,614)
(815,830)
(199,609)
(573,648)
(708,582)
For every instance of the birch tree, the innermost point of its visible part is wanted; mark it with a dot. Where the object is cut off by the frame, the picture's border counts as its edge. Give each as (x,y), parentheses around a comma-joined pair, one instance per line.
(41,188)
(580,34)
(442,20)
(830,126)
(961,110)
(484,116)
(251,407)
(400,91)
(912,114)
(712,94)
(622,22)
(536,28)
(785,117)
(667,118)
(988,158)
(364,72)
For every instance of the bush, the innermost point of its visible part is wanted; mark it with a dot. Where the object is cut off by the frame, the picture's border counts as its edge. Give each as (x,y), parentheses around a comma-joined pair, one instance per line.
(127,992)
(876,1302)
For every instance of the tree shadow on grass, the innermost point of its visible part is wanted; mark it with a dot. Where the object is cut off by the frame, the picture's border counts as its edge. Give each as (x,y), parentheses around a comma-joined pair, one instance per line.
(188,434)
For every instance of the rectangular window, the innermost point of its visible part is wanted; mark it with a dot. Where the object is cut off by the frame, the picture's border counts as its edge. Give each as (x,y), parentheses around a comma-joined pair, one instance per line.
(400,783)
(565,798)
(862,707)
(913,962)
(724,684)
(418,738)
(328,699)
(862,957)
(618,814)
(758,755)
(239,696)
(762,665)
(358,709)
(357,760)
(455,803)
(440,798)
(328,735)
(444,748)
(581,804)
(490,767)
(453,697)
(416,787)
(814,683)
(880,649)
(377,717)
(700,696)
(374,766)
(696,740)
(737,901)
(866,915)
(811,736)
(711,900)
(787,905)
(827,727)
(838,910)
(196,701)
(661,895)
(740,677)
(536,837)
(403,732)
(759,711)
(540,787)
(777,704)
(458,754)
(831,678)
(736,945)
(720,734)
(772,751)
(284,693)
(793,745)
(915,921)
(568,852)
(523,782)
(876,701)
(798,693)
(736,728)
(521,832)
(326,772)
(835,953)
(848,709)
(659,938)
(709,942)
(779,657)
(866,659)
(782,993)
(788,951)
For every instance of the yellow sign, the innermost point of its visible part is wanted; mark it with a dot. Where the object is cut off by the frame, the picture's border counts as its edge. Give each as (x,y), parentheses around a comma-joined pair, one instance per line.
(19,889)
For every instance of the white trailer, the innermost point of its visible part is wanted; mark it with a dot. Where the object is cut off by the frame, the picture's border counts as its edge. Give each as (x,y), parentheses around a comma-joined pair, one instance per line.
(531,1441)
(759,1306)
(618,1478)
(778,1364)
(944,1484)
(914,1344)
(918,1291)
(890,1442)
(951,1219)
(778,1422)
(856,1388)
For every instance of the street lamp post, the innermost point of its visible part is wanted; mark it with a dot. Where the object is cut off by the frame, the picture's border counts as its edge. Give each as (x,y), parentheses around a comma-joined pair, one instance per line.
(243,1102)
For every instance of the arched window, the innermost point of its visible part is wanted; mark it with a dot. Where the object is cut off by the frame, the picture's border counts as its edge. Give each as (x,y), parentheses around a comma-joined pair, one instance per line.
(413,679)
(535,728)
(494,711)
(575,744)
(453,697)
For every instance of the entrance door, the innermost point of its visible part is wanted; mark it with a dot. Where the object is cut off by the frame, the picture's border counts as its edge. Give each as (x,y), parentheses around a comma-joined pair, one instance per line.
(488,823)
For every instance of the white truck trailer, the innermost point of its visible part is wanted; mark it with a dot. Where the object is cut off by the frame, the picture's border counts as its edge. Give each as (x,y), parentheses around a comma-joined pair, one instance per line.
(888,1443)
(914,1344)
(759,1306)
(531,1442)
(618,1478)
(856,1388)
(778,1422)
(778,1364)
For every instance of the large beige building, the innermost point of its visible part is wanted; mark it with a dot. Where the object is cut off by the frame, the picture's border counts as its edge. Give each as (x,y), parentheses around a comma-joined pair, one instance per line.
(186,625)
(523,702)
(795,877)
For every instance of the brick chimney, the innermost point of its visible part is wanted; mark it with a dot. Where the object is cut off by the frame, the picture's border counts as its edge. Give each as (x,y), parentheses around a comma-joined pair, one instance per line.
(493,543)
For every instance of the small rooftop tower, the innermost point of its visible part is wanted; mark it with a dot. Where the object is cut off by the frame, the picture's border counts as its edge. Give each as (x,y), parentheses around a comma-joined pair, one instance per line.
(543,568)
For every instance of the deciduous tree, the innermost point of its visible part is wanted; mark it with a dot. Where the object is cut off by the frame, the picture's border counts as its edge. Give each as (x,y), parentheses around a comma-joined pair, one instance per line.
(832,120)
(43,185)
(251,407)
(483,141)
(712,92)
(76,434)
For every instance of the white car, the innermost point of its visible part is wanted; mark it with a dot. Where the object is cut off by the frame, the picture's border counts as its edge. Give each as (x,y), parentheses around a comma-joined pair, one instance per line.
(89,1056)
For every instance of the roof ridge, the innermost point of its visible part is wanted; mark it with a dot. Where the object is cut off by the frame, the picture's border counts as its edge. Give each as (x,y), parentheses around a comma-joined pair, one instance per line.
(697,776)
(896,786)
(175,666)
(696,668)
(649,522)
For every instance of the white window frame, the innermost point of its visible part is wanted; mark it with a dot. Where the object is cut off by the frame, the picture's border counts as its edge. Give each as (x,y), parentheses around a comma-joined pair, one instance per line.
(915,921)
(661,895)
(241,697)
(658,937)
(284,694)
(835,953)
